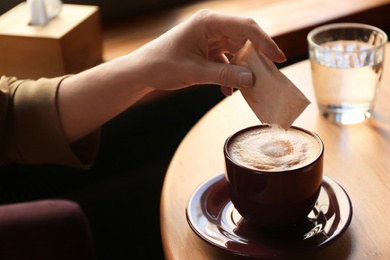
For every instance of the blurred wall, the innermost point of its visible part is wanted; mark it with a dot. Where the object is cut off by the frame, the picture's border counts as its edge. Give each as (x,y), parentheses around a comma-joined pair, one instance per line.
(111,9)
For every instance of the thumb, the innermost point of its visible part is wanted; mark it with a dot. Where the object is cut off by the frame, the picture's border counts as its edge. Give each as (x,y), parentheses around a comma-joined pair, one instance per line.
(228,75)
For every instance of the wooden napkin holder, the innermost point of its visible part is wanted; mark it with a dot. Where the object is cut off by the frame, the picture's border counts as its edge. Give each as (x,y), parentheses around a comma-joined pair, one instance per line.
(68,44)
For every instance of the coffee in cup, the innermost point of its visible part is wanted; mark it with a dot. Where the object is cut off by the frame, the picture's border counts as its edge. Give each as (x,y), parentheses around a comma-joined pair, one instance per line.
(274,149)
(274,175)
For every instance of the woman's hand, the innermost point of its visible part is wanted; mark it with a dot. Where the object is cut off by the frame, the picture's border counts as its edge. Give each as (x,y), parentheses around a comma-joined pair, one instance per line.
(195,51)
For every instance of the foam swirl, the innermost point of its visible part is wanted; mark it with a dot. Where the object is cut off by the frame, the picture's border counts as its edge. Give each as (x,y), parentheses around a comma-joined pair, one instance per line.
(274,149)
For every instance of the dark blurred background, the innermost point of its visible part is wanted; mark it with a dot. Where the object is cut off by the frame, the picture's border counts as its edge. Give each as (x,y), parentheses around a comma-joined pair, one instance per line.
(120,194)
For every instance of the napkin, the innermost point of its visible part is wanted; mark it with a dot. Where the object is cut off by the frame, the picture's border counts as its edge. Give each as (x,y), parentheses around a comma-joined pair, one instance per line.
(274,98)
(42,11)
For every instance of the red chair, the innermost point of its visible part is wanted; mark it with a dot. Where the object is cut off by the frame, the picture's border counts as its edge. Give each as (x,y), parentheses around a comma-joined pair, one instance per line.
(45,230)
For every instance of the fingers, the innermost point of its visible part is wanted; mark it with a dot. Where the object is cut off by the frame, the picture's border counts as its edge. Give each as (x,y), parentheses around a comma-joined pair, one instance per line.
(229,76)
(228,45)
(263,41)
(226,75)
(240,29)
(227,91)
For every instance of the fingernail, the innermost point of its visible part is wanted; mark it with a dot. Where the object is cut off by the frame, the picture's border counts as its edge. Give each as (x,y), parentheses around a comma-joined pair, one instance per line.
(245,79)
(227,91)
(281,56)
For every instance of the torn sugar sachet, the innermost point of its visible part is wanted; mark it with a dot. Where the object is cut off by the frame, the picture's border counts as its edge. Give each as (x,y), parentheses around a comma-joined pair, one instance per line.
(274,98)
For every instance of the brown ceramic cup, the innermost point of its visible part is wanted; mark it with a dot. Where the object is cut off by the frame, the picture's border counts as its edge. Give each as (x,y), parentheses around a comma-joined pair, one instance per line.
(271,198)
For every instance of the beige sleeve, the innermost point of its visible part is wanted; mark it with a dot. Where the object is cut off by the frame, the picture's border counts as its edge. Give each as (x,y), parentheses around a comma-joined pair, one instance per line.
(31,130)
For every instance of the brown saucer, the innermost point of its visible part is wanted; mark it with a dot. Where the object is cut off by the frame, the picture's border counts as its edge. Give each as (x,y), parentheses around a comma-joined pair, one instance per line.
(212,216)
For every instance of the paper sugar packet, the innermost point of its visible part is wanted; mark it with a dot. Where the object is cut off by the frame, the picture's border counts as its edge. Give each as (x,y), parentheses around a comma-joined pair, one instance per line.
(274,98)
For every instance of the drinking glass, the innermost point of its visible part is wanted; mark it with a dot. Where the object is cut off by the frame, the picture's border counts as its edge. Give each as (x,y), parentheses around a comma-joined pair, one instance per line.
(347,66)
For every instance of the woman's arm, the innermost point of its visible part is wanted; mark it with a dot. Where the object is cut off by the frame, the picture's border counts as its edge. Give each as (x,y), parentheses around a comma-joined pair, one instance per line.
(189,54)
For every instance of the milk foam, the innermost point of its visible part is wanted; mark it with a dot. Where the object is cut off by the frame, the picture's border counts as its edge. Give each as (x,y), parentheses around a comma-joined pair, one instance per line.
(274,149)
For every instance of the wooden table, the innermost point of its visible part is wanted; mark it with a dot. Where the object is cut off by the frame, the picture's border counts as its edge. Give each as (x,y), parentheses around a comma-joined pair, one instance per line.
(356,156)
